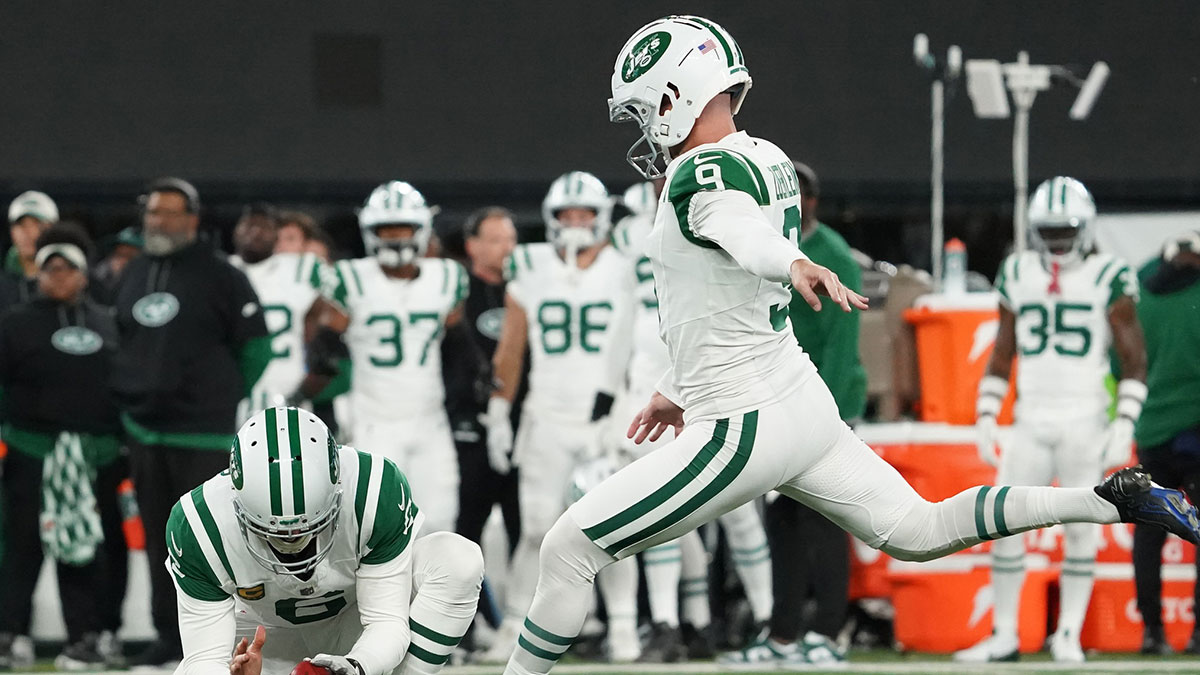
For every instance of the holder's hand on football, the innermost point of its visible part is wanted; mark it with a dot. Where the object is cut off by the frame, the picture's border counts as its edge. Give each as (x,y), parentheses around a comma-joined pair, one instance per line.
(337,665)
(653,420)
(811,280)
(247,656)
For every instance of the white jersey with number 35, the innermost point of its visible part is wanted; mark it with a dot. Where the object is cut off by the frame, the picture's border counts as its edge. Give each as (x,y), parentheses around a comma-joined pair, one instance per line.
(1063,334)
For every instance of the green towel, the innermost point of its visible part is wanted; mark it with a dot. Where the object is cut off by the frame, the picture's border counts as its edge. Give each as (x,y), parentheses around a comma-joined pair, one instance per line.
(70,519)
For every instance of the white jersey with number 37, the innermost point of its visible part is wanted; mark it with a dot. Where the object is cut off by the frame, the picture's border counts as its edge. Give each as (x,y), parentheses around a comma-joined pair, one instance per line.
(1063,334)
(395,335)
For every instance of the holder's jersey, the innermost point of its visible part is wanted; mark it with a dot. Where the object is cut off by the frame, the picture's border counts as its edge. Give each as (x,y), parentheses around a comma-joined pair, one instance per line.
(569,312)
(649,359)
(727,331)
(209,558)
(1063,334)
(395,334)
(287,284)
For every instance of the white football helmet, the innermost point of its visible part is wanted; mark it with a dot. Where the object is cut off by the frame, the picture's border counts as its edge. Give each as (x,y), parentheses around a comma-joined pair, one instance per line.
(287,488)
(1060,215)
(577,189)
(641,199)
(396,203)
(686,60)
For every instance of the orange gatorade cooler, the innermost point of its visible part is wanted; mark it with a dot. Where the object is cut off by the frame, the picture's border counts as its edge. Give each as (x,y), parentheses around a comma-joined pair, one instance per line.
(955,334)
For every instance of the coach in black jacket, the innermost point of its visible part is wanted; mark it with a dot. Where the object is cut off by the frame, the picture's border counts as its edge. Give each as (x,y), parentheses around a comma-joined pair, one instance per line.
(193,343)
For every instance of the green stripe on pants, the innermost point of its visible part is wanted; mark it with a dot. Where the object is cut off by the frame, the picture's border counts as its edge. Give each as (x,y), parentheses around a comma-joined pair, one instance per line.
(722,481)
(673,486)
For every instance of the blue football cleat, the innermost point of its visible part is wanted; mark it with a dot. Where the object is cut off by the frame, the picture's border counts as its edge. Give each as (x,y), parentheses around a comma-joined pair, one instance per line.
(1138,500)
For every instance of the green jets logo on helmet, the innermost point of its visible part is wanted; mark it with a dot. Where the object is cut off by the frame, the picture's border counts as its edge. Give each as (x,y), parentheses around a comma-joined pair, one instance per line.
(644,55)
(334,465)
(77,340)
(156,309)
(235,465)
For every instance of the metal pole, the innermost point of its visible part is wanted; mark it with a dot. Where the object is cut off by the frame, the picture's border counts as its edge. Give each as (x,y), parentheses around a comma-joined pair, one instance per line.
(937,152)
(1023,99)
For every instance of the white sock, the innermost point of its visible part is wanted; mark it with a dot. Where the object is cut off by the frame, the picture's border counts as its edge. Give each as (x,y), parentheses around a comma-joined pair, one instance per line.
(663,565)
(693,592)
(619,587)
(1008,576)
(751,557)
(931,530)
(1075,584)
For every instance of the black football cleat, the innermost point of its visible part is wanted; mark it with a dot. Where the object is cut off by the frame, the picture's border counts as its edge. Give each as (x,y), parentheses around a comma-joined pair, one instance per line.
(1139,500)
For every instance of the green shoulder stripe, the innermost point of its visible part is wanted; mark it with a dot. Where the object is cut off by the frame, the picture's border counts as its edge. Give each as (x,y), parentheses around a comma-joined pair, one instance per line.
(186,559)
(332,282)
(1002,278)
(395,516)
(713,170)
(462,286)
(1123,283)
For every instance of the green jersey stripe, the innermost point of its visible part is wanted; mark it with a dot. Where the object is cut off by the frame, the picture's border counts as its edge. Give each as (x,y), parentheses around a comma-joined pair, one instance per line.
(433,635)
(360,493)
(300,269)
(980,525)
(670,489)
(1103,271)
(464,285)
(357,282)
(528,259)
(445,277)
(720,38)
(682,208)
(276,482)
(1001,527)
(727,475)
(210,529)
(296,466)
(765,194)
(543,634)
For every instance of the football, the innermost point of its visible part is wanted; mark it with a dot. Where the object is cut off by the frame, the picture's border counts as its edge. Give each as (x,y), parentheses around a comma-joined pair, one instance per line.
(306,667)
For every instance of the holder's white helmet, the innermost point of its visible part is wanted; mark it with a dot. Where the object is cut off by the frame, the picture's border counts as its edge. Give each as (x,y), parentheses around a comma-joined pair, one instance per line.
(1061,212)
(287,488)
(686,60)
(577,189)
(396,203)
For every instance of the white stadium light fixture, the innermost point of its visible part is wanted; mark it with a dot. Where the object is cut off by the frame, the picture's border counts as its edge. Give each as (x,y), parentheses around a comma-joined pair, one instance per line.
(1090,91)
(985,86)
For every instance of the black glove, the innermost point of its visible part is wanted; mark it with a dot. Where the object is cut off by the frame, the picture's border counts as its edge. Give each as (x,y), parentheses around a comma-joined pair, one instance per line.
(325,352)
(602,407)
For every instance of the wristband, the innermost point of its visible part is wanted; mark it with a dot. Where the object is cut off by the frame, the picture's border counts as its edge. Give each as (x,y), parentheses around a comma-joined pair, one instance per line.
(1131,395)
(992,390)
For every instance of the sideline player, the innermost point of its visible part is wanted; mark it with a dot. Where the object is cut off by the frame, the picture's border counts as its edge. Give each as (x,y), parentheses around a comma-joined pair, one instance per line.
(393,307)
(750,412)
(288,287)
(569,301)
(313,547)
(1062,306)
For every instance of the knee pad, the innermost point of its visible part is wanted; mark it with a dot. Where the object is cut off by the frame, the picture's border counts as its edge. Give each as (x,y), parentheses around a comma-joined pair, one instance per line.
(567,552)
(458,560)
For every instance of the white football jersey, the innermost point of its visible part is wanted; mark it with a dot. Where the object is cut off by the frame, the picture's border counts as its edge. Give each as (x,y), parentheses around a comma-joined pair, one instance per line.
(1063,334)
(287,284)
(649,359)
(209,558)
(727,331)
(395,334)
(569,312)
